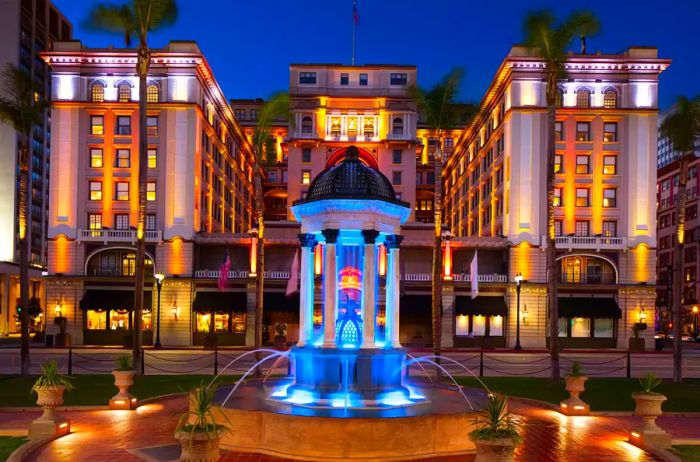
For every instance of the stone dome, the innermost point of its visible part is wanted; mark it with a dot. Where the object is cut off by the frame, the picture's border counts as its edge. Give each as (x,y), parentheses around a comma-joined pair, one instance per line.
(351,179)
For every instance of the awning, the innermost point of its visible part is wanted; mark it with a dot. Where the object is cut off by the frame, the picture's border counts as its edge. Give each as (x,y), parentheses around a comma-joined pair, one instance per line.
(278,301)
(483,305)
(588,307)
(113,299)
(207,301)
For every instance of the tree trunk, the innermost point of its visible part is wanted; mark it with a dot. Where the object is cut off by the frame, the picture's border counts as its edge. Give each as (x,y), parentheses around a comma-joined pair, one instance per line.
(24,195)
(678,270)
(260,261)
(140,276)
(437,258)
(551,253)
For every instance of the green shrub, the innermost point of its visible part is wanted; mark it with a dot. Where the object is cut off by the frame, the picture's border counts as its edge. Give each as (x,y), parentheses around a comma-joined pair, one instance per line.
(50,378)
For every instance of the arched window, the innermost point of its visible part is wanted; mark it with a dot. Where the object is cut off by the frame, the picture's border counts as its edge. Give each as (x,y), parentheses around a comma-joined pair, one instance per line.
(587,269)
(152,93)
(560,98)
(97,92)
(368,128)
(610,99)
(306,125)
(124,93)
(583,98)
(397,126)
(116,262)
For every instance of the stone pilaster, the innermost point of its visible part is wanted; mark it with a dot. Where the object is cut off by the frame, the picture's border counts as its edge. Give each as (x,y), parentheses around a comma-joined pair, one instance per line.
(330,280)
(306,292)
(393,280)
(369,274)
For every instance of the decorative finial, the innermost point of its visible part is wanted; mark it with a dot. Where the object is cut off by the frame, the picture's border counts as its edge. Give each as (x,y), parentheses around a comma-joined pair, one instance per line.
(352,153)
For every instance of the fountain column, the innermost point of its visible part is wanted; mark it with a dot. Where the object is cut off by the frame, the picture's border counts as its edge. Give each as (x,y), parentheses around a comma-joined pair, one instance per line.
(369,276)
(306,292)
(330,291)
(393,279)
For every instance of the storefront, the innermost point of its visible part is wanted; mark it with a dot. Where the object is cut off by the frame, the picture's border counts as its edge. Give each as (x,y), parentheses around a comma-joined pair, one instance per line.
(219,313)
(280,314)
(588,322)
(480,322)
(108,317)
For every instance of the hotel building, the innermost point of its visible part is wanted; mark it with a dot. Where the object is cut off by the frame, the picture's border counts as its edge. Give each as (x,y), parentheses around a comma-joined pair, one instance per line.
(27,28)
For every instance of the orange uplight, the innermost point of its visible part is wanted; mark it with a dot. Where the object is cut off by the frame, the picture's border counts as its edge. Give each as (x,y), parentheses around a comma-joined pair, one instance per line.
(382,260)
(63,425)
(448,261)
(175,261)
(318,259)
(61,251)
(253,256)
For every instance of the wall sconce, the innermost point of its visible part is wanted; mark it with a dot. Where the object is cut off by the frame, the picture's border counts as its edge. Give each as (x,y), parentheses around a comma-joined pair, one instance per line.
(642,315)
(317,319)
(58,309)
(174,310)
(381,320)
(524,315)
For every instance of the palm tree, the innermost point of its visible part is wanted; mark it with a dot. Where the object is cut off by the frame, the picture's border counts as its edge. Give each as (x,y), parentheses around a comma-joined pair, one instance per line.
(264,146)
(137,17)
(549,41)
(442,112)
(21,107)
(682,128)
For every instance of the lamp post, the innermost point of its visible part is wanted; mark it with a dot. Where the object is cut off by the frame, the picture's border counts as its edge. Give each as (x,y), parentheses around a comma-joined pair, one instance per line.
(159,284)
(518,284)
(695,321)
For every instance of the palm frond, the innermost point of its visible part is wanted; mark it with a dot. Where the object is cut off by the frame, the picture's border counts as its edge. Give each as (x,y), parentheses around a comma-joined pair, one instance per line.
(154,14)
(276,108)
(682,126)
(582,23)
(113,18)
(20,105)
(439,103)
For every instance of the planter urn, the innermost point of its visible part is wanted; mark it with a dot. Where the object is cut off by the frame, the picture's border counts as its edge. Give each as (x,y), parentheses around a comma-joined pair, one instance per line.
(648,407)
(575,385)
(48,424)
(495,450)
(280,341)
(123,400)
(199,446)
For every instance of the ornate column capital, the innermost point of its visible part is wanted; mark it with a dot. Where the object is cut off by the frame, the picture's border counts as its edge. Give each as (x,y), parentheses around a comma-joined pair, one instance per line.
(307,239)
(331,235)
(393,241)
(370,235)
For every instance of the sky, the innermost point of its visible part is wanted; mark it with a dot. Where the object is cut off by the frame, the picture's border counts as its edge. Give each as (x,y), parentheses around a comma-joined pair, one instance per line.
(251,43)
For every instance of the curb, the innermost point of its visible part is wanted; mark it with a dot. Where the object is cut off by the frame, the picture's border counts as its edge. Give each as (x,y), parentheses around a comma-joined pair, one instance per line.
(27,448)
(86,407)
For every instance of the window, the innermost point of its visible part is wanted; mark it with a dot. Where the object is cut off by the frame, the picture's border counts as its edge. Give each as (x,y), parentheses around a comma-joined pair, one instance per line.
(152,125)
(122,191)
(603,328)
(239,113)
(123,125)
(97,320)
(396,156)
(344,78)
(610,132)
(151,191)
(558,202)
(430,177)
(124,93)
(582,228)
(397,126)
(363,80)
(97,125)
(96,157)
(307,78)
(272,176)
(609,165)
(609,197)
(558,227)
(307,125)
(368,128)
(306,155)
(582,197)
(581,327)
(121,221)
(559,131)
(558,163)
(582,164)
(151,222)
(396,178)
(152,93)
(449,142)
(610,228)
(254,114)
(152,158)
(305,176)
(610,99)
(94,221)
(583,98)
(95,190)
(398,78)
(583,131)
(97,93)
(123,159)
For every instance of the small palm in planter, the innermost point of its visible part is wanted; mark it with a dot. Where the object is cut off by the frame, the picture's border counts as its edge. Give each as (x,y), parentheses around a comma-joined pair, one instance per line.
(495,433)
(49,388)
(575,385)
(123,379)
(280,334)
(197,430)
(648,406)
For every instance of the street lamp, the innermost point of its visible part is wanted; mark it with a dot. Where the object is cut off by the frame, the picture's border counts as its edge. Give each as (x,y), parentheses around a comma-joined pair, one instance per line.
(159,284)
(518,285)
(695,320)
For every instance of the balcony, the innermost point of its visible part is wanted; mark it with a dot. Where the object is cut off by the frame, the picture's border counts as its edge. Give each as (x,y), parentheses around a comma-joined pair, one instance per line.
(116,235)
(399,137)
(424,277)
(588,278)
(214,274)
(589,242)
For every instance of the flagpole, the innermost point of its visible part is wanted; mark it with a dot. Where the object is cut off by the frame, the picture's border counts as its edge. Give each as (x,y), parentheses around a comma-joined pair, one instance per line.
(354,21)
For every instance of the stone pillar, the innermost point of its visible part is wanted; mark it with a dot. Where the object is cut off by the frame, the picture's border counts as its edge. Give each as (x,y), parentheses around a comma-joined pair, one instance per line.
(369,275)
(330,279)
(448,316)
(393,279)
(306,289)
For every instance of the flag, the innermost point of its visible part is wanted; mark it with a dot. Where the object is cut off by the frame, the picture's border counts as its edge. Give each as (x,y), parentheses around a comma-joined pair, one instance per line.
(223,273)
(474,276)
(293,275)
(355,14)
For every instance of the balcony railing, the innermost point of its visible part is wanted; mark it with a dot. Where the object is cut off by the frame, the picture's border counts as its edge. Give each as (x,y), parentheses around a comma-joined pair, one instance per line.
(422,277)
(399,136)
(116,235)
(214,274)
(585,278)
(589,242)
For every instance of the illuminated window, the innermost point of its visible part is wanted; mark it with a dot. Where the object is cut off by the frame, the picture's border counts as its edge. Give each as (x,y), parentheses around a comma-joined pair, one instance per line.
(123,158)
(397,126)
(152,158)
(335,126)
(124,93)
(123,125)
(609,197)
(306,155)
(95,190)
(583,98)
(582,164)
(152,93)
(558,202)
(396,156)
(610,132)
(582,228)
(582,197)
(558,163)
(363,80)
(152,125)
(94,221)
(397,78)
(583,131)
(581,327)
(96,157)
(151,191)
(97,93)
(151,222)
(306,125)
(97,125)
(122,191)
(96,320)
(610,99)
(305,176)
(307,78)
(558,227)
(495,326)
(121,221)
(609,165)
(368,128)
(344,78)
(559,131)
(479,325)
(352,127)
(610,228)
(396,178)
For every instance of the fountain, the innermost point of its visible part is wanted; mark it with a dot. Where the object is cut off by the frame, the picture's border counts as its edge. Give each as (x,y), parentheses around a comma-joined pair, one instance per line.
(348,395)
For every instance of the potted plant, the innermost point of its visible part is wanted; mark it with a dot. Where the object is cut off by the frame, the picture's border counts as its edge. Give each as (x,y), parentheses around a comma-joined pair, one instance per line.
(63,339)
(636,343)
(197,430)
(495,433)
(280,334)
(123,380)
(49,388)
(575,385)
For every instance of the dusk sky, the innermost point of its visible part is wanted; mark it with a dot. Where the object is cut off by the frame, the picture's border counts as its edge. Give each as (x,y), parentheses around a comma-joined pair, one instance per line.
(250,44)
